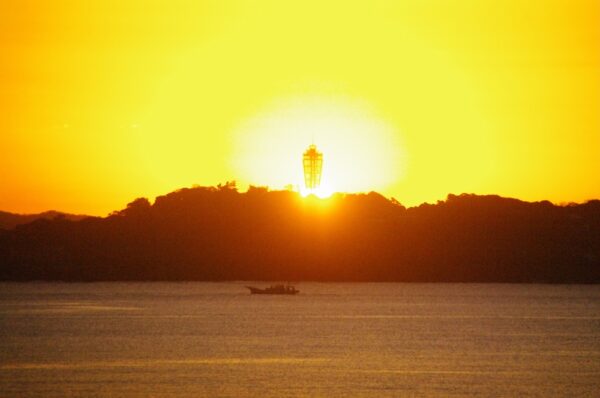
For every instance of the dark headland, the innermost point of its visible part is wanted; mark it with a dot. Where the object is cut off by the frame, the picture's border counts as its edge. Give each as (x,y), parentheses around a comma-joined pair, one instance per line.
(218,233)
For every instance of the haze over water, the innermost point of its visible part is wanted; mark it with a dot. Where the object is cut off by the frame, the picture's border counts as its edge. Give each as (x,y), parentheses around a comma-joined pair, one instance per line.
(333,340)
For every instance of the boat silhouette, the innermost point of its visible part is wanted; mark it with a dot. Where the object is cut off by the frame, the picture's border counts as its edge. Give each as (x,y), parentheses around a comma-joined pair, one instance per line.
(274,289)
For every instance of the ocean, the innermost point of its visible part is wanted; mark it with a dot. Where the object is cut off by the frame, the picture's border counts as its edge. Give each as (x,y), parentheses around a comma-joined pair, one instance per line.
(193,339)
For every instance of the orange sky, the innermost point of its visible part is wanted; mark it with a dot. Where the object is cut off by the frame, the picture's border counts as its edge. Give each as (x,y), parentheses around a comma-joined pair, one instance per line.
(111,100)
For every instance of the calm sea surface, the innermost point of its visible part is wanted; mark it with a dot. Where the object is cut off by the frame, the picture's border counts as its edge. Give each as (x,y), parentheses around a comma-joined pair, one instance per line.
(332,340)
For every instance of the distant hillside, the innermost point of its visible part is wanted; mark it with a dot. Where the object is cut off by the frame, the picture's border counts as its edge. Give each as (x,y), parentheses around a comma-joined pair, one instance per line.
(11,220)
(209,233)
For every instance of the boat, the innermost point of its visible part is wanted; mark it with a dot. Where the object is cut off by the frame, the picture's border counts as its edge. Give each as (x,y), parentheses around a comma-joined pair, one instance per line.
(274,289)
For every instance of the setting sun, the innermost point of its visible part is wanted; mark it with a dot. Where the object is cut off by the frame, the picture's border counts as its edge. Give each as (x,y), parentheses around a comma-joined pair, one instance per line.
(361,152)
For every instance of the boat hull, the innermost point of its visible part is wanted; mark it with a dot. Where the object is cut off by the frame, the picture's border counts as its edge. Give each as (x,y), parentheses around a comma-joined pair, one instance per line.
(290,291)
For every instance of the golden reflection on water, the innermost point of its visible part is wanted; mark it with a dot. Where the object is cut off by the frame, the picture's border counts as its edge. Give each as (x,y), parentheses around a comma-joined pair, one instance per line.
(60,308)
(464,372)
(162,362)
(546,318)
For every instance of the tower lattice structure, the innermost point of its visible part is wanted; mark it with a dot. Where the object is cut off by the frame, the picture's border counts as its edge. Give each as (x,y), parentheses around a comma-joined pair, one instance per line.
(312,161)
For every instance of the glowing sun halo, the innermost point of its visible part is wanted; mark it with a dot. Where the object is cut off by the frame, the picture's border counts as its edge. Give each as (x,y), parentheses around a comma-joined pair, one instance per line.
(361,151)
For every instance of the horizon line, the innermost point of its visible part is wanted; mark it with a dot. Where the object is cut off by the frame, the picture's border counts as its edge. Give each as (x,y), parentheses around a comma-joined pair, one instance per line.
(232,185)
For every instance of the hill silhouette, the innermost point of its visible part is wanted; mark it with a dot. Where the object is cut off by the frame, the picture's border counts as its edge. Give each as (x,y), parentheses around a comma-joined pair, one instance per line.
(218,233)
(11,220)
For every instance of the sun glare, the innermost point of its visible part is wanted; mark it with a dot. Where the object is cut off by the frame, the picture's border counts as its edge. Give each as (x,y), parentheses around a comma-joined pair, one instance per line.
(322,192)
(361,152)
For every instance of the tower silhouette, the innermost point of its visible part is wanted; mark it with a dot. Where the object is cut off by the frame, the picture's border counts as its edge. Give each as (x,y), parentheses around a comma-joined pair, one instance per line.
(312,161)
